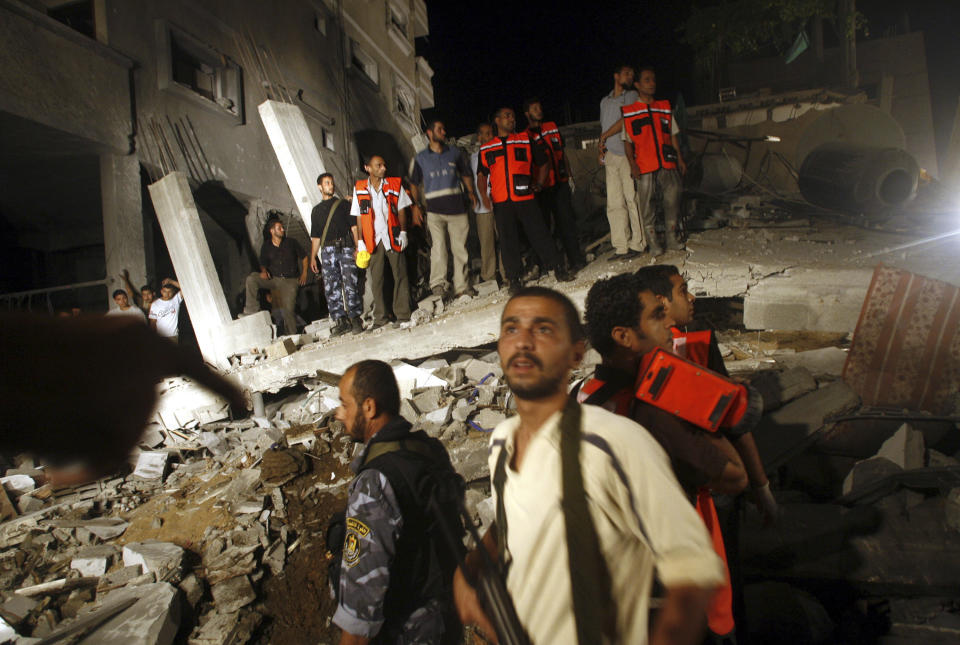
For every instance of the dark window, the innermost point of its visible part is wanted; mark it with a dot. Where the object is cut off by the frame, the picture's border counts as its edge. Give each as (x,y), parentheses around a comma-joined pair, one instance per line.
(76,15)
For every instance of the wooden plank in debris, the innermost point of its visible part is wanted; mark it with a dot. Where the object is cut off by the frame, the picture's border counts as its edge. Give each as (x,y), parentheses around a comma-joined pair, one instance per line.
(7,509)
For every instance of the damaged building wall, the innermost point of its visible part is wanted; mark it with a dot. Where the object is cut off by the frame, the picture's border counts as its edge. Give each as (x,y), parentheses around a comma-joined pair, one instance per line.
(893,73)
(180,82)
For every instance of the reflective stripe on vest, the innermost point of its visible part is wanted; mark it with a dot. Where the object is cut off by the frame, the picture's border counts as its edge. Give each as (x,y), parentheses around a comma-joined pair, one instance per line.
(391,187)
(618,403)
(693,345)
(510,162)
(649,127)
(550,134)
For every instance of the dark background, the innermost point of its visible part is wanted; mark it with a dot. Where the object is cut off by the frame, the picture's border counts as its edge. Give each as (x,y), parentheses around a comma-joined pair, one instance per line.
(486,55)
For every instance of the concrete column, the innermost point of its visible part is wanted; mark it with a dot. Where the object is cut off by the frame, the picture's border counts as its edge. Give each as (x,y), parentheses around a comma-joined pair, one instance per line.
(296,151)
(123,242)
(218,336)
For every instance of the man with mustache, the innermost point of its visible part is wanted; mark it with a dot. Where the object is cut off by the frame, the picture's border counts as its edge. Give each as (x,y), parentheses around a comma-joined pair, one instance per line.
(587,506)
(394,577)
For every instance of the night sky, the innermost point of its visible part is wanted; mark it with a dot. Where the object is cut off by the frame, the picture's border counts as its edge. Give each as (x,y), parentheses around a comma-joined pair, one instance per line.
(490,54)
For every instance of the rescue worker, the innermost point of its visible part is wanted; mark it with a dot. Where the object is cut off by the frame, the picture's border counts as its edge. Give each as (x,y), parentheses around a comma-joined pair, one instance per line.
(626,323)
(507,162)
(587,507)
(555,199)
(650,141)
(395,578)
(441,168)
(380,204)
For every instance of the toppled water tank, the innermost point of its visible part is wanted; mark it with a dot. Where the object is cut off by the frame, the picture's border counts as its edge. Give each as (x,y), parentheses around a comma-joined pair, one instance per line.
(858,179)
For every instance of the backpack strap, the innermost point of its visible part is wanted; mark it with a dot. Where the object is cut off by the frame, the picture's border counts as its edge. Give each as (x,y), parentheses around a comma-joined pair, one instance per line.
(381,448)
(499,479)
(333,211)
(590,582)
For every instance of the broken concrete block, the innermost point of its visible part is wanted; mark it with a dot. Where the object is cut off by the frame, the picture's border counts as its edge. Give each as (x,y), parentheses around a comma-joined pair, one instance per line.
(407,411)
(485,395)
(275,557)
(789,430)
(823,362)
(91,566)
(192,588)
(230,595)
(120,577)
(951,508)
(161,558)
(151,465)
(410,377)
(432,305)
(152,436)
(462,410)
(440,416)
(16,608)
(454,432)
(419,317)
(7,633)
(452,374)
(214,443)
(232,562)
(487,288)
(18,484)
(433,364)
(778,388)
(283,347)
(936,459)
(905,448)
(868,471)
(488,418)
(226,629)
(153,620)
(280,466)
(477,370)
(28,504)
(429,399)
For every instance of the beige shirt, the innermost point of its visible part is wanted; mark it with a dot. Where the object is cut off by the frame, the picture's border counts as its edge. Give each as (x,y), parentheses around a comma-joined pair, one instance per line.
(643,520)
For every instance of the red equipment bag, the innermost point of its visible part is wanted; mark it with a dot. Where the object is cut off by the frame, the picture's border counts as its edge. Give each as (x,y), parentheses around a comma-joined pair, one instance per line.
(686,390)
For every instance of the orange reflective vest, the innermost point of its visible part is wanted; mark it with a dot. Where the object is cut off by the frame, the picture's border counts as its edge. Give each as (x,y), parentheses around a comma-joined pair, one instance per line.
(509,165)
(692,345)
(391,187)
(549,133)
(648,125)
(608,388)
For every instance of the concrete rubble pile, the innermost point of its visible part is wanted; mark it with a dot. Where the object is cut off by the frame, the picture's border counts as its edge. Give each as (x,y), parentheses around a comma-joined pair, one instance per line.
(180,549)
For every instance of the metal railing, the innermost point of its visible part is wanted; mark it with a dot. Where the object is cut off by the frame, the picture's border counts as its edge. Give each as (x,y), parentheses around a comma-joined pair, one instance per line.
(24,300)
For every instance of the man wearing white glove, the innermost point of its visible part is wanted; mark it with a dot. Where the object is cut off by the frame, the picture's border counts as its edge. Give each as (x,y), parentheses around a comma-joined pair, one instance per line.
(380,204)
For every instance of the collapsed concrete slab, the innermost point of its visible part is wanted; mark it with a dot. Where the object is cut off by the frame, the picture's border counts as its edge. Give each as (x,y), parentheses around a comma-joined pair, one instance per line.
(219,337)
(152,620)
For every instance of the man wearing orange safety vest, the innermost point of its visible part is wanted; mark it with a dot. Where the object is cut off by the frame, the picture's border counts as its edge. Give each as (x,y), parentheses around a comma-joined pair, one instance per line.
(507,162)
(650,141)
(555,199)
(627,323)
(380,205)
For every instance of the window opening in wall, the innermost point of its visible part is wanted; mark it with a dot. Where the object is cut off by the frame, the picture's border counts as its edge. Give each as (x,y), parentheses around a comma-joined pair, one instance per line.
(76,15)
(202,71)
(364,62)
(328,140)
(398,20)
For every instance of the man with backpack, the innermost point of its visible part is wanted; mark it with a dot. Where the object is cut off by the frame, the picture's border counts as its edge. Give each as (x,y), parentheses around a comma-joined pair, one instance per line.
(396,572)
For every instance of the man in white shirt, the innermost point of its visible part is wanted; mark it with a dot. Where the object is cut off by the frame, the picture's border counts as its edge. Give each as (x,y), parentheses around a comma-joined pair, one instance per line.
(165,312)
(380,204)
(567,586)
(124,308)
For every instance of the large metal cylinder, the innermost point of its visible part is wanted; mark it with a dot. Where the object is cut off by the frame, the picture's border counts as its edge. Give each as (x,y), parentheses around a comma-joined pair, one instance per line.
(858,179)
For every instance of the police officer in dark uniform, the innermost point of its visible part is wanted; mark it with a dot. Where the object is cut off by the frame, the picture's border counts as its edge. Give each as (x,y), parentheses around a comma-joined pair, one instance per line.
(396,574)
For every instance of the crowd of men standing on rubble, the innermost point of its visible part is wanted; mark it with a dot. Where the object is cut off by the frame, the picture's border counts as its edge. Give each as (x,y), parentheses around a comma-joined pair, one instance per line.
(517,186)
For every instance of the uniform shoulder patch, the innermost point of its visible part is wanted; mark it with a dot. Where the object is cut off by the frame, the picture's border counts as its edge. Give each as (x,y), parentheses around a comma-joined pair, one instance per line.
(356,530)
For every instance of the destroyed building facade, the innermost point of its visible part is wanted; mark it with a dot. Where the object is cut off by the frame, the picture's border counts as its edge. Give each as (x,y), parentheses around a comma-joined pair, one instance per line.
(99,98)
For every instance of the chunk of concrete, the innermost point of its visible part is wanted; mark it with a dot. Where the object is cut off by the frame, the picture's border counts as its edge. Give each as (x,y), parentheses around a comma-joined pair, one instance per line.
(28,504)
(90,567)
(275,557)
(283,347)
(192,588)
(153,620)
(230,595)
(429,399)
(161,558)
(788,431)
(462,410)
(408,412)
(151,465)
(16,608)
(905,448)
(410,377)
(488,418)
(452,374)
(823,362)
(18,484)
(477,370)
(868,471)
(778,388)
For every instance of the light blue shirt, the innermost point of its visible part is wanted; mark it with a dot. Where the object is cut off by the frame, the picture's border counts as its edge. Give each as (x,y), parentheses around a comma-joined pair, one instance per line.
(610,112)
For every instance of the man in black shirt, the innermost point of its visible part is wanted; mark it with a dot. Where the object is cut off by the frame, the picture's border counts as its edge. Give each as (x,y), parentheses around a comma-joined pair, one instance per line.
(331,235)
(283,266)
